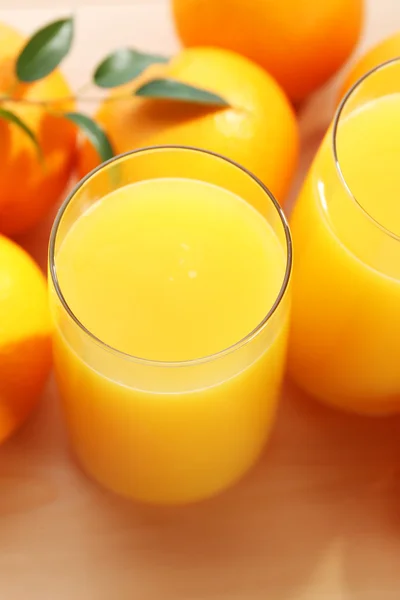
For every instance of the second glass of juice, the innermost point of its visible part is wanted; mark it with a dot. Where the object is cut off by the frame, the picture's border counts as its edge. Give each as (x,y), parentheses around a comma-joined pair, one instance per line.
(345,336)
(169,272)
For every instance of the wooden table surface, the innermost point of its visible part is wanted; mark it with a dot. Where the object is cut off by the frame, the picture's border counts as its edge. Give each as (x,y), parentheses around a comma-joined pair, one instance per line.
(317,519)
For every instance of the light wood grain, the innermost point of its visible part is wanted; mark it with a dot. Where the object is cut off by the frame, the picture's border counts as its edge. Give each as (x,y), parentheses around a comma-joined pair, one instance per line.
(317,519)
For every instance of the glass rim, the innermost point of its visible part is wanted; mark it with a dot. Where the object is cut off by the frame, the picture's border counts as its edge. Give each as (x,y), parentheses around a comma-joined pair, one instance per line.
(159,363)
(335,127)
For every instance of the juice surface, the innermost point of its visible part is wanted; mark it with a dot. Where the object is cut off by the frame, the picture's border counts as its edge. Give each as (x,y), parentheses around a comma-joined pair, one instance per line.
(171,269)
(345,335)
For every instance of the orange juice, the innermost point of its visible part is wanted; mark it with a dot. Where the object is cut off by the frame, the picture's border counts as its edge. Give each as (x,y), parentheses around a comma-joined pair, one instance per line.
(345,337)
(168,273)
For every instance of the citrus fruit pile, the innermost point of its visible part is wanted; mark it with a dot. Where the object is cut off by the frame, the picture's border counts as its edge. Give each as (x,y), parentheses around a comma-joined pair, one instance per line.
(258,129)
(262,57)
(30,184)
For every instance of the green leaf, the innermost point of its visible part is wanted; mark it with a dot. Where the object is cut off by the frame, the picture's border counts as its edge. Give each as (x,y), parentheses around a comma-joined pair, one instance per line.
(93,132)
(11,117)
(176,90)
(45,50)
(122,66)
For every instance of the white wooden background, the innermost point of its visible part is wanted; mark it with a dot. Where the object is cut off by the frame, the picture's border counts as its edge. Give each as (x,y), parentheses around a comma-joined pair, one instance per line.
(317,519)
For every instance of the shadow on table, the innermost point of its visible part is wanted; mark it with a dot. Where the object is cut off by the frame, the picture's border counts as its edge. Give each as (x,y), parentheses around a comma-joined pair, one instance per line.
(316,518)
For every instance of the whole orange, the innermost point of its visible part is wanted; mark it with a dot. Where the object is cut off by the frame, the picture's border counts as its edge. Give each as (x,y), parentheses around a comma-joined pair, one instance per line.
(25,342)
(301,43)
(28,185)
(258,130)
(385,50)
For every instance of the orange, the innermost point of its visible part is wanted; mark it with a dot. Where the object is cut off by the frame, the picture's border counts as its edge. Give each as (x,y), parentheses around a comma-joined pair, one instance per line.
(29,187)
(300,42)
(25,343)
(258,130)
(385,50)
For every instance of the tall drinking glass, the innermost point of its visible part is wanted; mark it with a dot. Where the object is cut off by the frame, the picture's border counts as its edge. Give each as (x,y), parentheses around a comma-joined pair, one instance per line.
(345,336)
(169,276)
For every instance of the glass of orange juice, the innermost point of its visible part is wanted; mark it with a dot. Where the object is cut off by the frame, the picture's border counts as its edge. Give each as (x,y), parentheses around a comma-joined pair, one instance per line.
(169,272)
(345,337)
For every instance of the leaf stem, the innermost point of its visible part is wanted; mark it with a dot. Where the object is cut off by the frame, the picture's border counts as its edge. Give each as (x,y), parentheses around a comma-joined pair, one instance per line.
(83,89)
(46,103)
